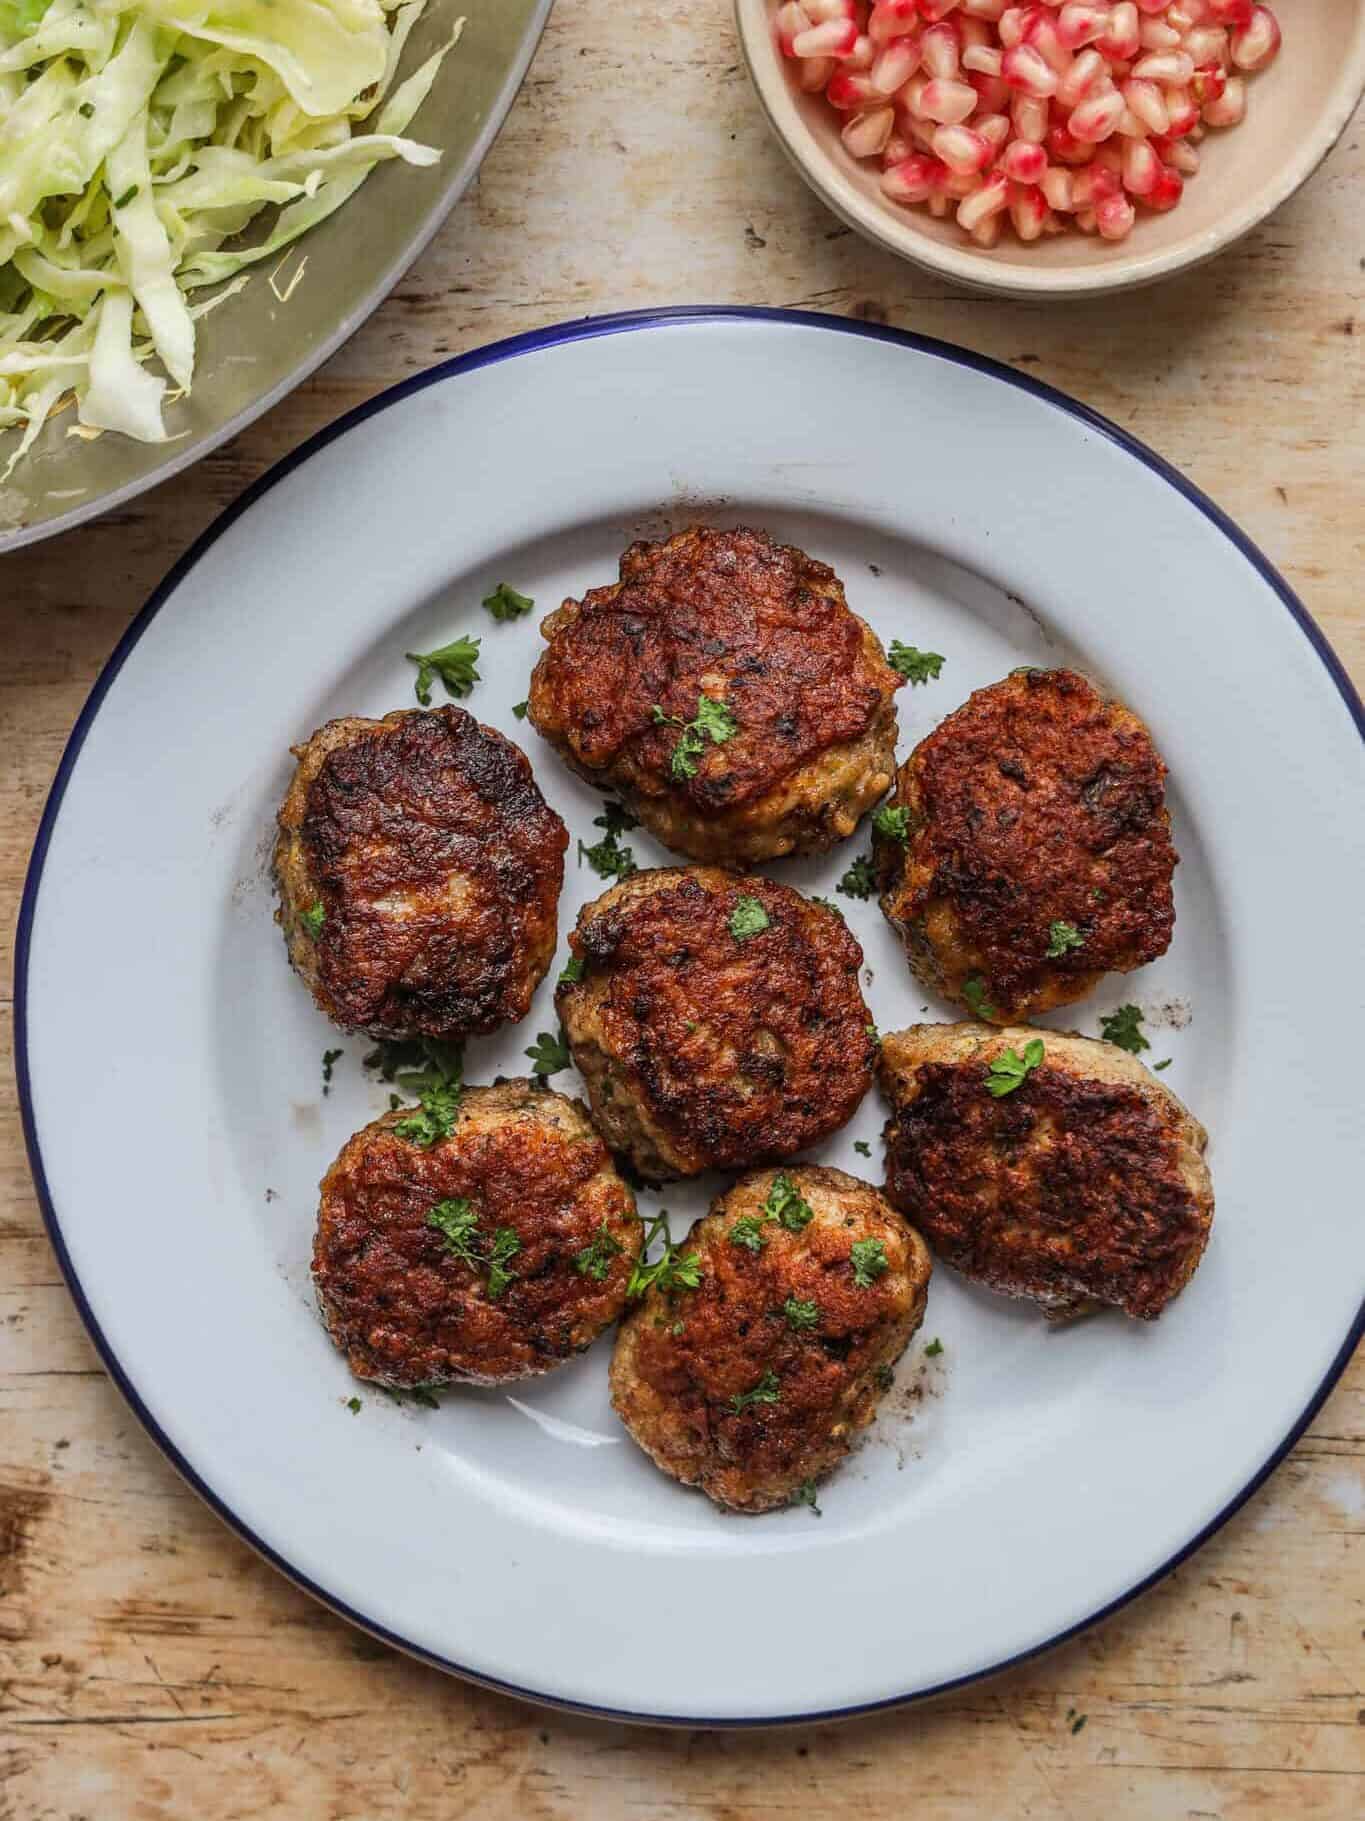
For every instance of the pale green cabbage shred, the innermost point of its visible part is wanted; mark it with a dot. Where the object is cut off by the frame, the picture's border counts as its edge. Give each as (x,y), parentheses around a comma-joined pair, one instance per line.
(138,139)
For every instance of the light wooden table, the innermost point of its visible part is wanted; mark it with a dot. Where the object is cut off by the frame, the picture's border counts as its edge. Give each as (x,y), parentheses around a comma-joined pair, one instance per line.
(150,1666)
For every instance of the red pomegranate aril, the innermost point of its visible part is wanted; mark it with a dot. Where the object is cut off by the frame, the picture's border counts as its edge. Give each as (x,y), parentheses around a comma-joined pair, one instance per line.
(1056,187)
(1088,73)
(1183,158)
(1208,44)
(1063,148)
(1023,163)
(1229,107)
(821,10)
(995,128)
(949,103)
(1023,69)
(1231,12)
(831,38)
(1079,24)
(1096,119)
(941,51)
(1166,192)
(895,65)
(913,180)
(1182,111)
(992,93)
(891,18)
(1011,26)
(1041,35)
(962,150)
(865,135)
(1141,167)
(1257,41)
(982,60)
(1121,38)
(983,9)
(1164,66)
(987,199)
(1030,118)
(933,10)
(1028,210)
(897,149)
(1146,100)
(791,20)
(850,92)
(1114,217)
(815,72)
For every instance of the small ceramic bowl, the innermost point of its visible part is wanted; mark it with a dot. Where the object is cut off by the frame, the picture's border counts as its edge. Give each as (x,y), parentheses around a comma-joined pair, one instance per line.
(1296,110)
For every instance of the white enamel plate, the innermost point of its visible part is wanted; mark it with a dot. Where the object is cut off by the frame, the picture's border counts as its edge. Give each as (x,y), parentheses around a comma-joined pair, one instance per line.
(1020,1482)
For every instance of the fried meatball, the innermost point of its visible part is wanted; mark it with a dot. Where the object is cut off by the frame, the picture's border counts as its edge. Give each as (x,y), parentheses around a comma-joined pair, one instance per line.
(716,1019)
(1037,854)
(419,870)
(756,1383)
(1085,1184)
(492,1254)
(805,742)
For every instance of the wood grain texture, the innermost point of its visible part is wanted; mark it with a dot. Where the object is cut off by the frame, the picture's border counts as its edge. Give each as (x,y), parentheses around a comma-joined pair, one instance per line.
(150,1666)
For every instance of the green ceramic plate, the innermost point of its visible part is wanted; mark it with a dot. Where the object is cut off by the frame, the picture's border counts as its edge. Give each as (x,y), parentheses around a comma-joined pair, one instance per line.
(251,352)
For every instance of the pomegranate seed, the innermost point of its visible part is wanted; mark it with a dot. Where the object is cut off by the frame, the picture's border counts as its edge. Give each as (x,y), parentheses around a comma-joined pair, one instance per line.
(821,10)
(1156,35)
(947,102)
(1063,148)
(1079,24)
(1030,118)
(962,150)
(1166,192)
(791,19)
(849,93)
(1012,22)
(1096,119)
(1114,217)
(1184,158)
(863,55)
(1040,34)
(982,60)
(1208,45)
(992,93)
(832,38)
(1023,69)
(1024,163)
(941,51)
(913,180)
(1257,41)
(983,9)
(1141,168)
(815,72)
(934,10)
(1028,210)
(975,33)
(866,135)
(895,65)
(1164,66)
(1148,103)
(1183,18)
(986,200)
(891,18)
(1056,187)
(1229,107)
(938,205)
(896,150)
(1182,111)
(1231,12)
(1088,73)
(987,232)
(1121,37)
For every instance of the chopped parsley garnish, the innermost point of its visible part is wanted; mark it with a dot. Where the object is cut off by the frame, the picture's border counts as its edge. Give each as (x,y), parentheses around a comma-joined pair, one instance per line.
(353,1405)
(767,1391)
(594,1260)
(860,881)
(572,971)
(894,824)
(805,1495)
(608,858)
(505,1246)
(425,1396)
(121,202)
(313,919)
(1123,1027)
(934,1348)
(434,1118)
(418,1065)
(873,1034)
(914,665)
(454,664)
(1164,1064)
(549,1054)
(784,1204)
(869,1260)
(670,1270)
(862,1147)
(801,1315)
(748,918)
(886,1377)
(506,604)
(1009,1071)
(519,709)
(748,1232)
(330,1058)
(458,1224)
(713,721)
(974,992)
(1061,937)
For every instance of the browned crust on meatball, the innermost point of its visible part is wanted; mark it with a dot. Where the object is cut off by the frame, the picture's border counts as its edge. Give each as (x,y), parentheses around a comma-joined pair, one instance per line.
(701,1051)
(1085,1185)
(683,1356)
(437,864)
(760,626)
(1039,801)
(405,1309)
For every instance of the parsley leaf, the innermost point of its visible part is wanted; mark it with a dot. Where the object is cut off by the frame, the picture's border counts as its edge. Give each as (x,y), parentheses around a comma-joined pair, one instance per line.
(670,1271)
(886,1377)
(893,824)
(330,1058)
(353,1405)
(1062,936)
(418,1065)
(767,1391)
(434,1118)
(505,1246)
(974,992)
(572,971)
(785,1205)
(519,709)
(914,665)
(801,1315)
(1123,1028)
(748,918)
(313,919)
(805,1495)
(748,1232)
(934,1348)
(608,858)
(859,881)
(862,1147)
(458,1224)
(1009,1071)
(506,604)
(869,1260)
(549,1054)
(1165,1063)
(615,818)
(594,1260)
(713,721)
(454,664)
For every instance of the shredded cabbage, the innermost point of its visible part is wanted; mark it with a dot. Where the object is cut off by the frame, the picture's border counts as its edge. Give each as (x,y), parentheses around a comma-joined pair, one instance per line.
(138,139)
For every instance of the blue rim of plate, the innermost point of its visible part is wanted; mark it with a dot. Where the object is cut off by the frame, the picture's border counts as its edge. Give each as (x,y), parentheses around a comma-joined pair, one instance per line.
(586,329)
